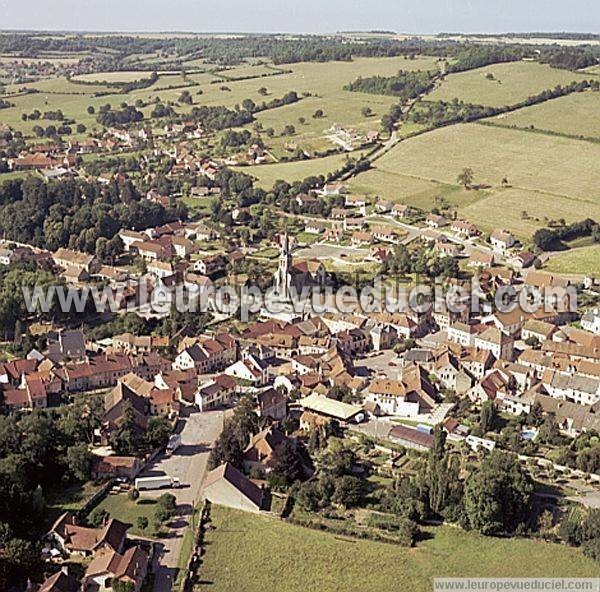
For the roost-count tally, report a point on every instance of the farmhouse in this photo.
(436, 221)
(464, 228)
(68, 536)
(401, 211)
(497, 342)
(539, 330)
(502, 240)
(66, 259)
(590, 321)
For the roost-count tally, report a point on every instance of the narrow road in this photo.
(188, 463)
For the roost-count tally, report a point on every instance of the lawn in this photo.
(577, 114)
(512, 83)
(122, 508)
(250, 553)
(583, 260)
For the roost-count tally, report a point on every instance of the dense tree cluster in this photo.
(420, 261)
(39, 453)
(572, 58)
(219, 117)
(235, 436)
(583, 531)
(129, 440)
(449, 112)
(124, 116)
(13, 280)
(547, 239)
(477, 56)
(497, 495)
(406, 84)
(74, 214)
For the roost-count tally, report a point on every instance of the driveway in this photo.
(188, 463)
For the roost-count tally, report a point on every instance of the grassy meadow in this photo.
(512, 82)
(577, 114)
(267, 174)
(578, 261)
(549, 177)
(403, 188)
(252, 553)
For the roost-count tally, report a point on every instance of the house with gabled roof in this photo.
(68, 536)
(227, 486)
(61, 581)
(109, 567)
(259, 452)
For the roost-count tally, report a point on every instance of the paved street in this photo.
(188, 463)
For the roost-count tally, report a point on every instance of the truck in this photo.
(174, 443)
(160, 482)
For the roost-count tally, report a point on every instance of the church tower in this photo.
(283, 276)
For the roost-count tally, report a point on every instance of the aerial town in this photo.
(158, 432)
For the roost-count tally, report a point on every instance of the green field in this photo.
(323, 81)
(523, 212)
(550, 177)
(267, 174)
(421, 193)
(250, 553)
(593, 70)
(577, 114)
(119, 76)
(579, 261)
(513, 82)
(58, 85)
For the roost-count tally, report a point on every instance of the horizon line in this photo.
(373, 31)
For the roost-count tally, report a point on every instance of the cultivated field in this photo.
(240, 555)
(577, 114)
(512, 82)
(523, 212)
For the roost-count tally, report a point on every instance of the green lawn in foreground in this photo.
(578, 261)
(249, 553)
(126, 510)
